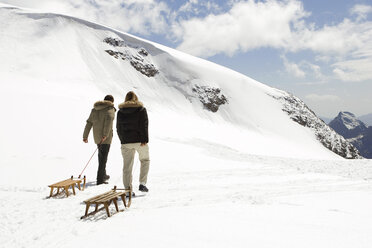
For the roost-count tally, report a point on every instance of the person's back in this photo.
(132, 123)
(132, 129)
(101, 119)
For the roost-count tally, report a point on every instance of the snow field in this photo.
(214, 202)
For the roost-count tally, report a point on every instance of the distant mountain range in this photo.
(367, 119)
(355, 131)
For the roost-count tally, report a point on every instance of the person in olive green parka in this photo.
(101, 119)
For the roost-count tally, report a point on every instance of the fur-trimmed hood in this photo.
(130, 104)
(103, 104)
(131, 101)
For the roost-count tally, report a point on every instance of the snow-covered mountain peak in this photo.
(355, 131)
(346, 124)
(350, 120)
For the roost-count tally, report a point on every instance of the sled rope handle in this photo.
(89, 160)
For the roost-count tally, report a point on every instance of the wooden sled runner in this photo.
(66, 184)
(106, 199)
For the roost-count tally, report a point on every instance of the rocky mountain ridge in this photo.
(303, 115)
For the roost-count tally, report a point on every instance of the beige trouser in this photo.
(128, 151)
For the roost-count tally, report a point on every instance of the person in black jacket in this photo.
(132, 128)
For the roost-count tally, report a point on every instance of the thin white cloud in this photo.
(361, 11)
(211, 6)
(354, 70)
(303, 69)
(322, 98)
(293, 69)
(188, 6)
(313, 70)
(338, 40)
(137, 16)
(323, 58)
(192, 8)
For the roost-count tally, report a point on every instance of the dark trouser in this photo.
(103, 151)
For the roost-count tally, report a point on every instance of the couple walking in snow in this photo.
(132, 129)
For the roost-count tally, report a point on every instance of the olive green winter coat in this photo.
(101, 119)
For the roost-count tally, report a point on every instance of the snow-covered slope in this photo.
(220, 142)
(54, 67)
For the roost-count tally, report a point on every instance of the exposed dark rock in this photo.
(115, 42)
(146, 69)
(300, 113)
(143, 51)
(210, 97)
(137, 61)
(118, 55)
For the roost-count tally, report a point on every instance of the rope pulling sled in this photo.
(71, 182)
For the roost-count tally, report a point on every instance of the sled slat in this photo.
(106, 199)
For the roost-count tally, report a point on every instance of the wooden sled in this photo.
(106, 199)
(66, 184)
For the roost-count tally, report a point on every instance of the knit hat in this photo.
(109, 98)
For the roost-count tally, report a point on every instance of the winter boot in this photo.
(143, 188)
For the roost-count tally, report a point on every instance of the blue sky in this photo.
(320, 51)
